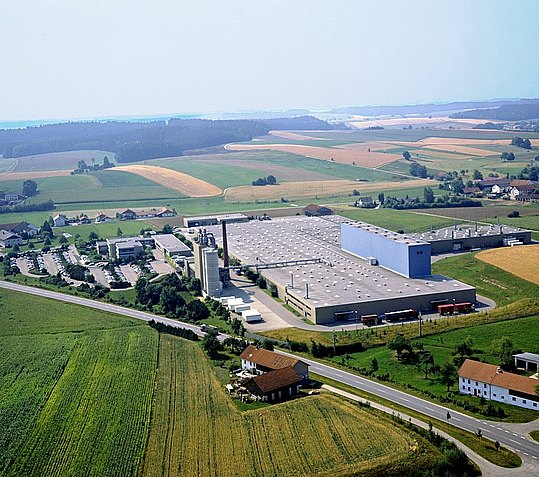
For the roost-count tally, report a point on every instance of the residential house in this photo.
(24, 229)
(469, 191)
(277, 385)
(99, 218)
(59, 220)
(493, 383)
(365, 202)
(164, 212)
(259, 361)
(314, 210)
(127, 214)
(9, 239)
(13, 197)
(496, 185)
(520, 188)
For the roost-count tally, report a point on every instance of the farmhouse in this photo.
(9, 239)
(258, 361)
(99, 218)
(275, 385)
(314, 210)
(21, 228)
(469, 191)
(365, 202)
(127, 214)
(59, 220)
(520, 189)
(496, 185)
(493, 383)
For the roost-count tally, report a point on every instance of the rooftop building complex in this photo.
(468, 236)
(303, 257)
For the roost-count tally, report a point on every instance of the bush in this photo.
(513, 214)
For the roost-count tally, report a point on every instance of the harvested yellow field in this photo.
(296, 136)
(8, 176)
(183, 183)
(303, 189)
(463, 141)
(342, 155)
(516, 260)
(362, 122)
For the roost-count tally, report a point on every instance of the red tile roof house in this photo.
(274, 385)
(492, 383)
(258, 361)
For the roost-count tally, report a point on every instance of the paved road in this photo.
(510, 436)
(496, 431)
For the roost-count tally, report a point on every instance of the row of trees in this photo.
(82, 167)
(262, 181)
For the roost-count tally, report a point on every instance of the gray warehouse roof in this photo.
(464, 231)
(171, 243)
(341, 278)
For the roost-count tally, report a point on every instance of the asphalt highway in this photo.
(496, 431)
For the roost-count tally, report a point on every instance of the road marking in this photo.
(515, 434)
(534, 457)
(499, 428)
(404, 399)
(490, 425)
(455, 419)
(507, 432)
(525, 453)
(513, 441)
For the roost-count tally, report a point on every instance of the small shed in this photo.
(314, 210)
(527, 361)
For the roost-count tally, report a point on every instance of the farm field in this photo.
(196, 430)
(178, 181)
(50, 397)
(100, 186)
(515, 260)
(58, 160)
(306, 189)
(395, 219)
(493, 213)
(340, 154)
(87, 387)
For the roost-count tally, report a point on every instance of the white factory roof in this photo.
(339, 279)
(464, 231)
(171, 243)
(373, 229)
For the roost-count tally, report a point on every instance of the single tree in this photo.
(271, 180)
(406, 155)
(29, 188)
(399, 344)
(62, 239)
(477, 175)
(212, 345)
(381, 197)
(93, 236)
(119, 232)
(374, 364)
(428, 194)
(448, 375)
(426, 360)
(167, 229)
(503, 349)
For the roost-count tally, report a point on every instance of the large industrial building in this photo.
(332, 268)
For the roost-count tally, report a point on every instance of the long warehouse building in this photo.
(365, 275)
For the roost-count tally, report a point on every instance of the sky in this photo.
(71, 59)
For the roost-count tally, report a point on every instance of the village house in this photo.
(9, 239)
(495, 185)
(259, 361)
(365, 202)
(127, 214)
(24, 229)
(469, 191)
(494, 384)
(314, 210)
(12, 197)
(99, 218)
(59, 221)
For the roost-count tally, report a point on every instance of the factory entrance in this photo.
(349, 315)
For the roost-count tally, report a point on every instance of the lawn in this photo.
(196, 429)
(441, 346)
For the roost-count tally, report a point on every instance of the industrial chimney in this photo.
(225, 245)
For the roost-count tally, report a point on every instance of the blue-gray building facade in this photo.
(397, 252)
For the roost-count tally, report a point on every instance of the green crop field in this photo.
(395, 219)
(98, 187)
(196, 429)
(84, 392)
(61, 392)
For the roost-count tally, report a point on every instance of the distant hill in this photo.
(304, 123)
(425, 108)
(521, 111)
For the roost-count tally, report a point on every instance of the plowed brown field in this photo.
(302, 189)
(356, 157)
(515, 260)
(175, 180)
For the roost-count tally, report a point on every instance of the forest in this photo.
(138, 141)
